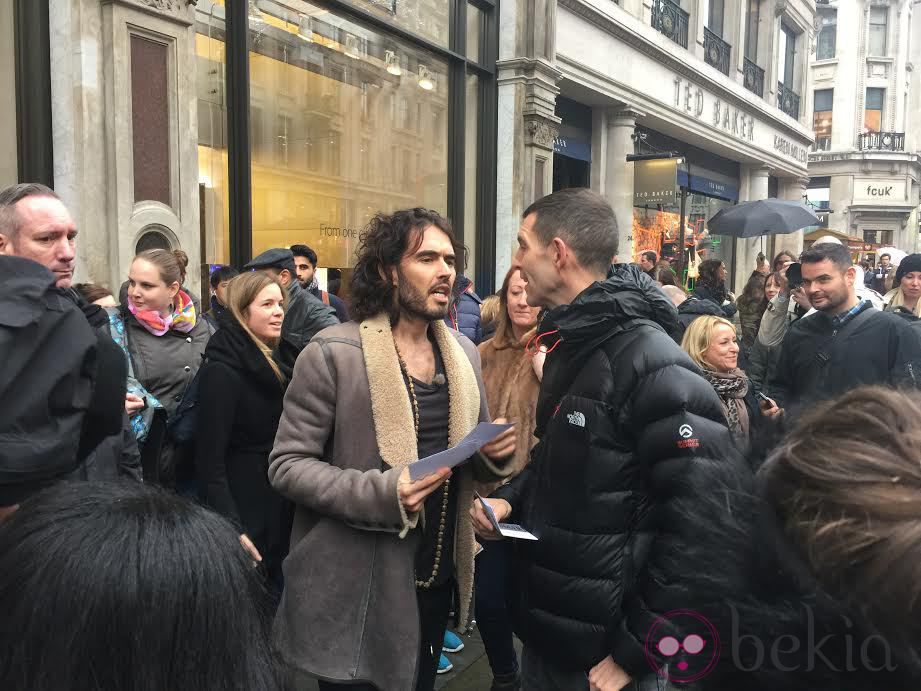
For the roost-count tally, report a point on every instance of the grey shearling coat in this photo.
(348, 612)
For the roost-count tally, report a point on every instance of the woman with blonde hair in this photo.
(905, 297)
(240, 403)
(711, 343)
(511, 375)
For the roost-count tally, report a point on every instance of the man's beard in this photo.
(413, 302)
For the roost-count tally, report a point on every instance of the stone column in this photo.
(527, 127)
(618, 176)
(125, 151)
(747, 249)
(794, 190)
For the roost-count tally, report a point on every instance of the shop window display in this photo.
(659, 230)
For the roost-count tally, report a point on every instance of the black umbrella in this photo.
(762, 217)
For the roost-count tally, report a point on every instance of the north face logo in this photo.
(577, 419)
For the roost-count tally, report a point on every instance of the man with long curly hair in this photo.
(376, 558)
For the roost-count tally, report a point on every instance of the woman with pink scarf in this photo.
(164, 339)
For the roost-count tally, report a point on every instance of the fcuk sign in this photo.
(879, 191)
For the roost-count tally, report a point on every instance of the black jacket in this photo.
(62, 385)
(305, 317)
(628, 432)
(818, 362)
(692, 308)
(240, 403)
(117, 456)
(337, 303)
(704, 292)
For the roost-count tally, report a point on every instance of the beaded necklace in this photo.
(426, 584)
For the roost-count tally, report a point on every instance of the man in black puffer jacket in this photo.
(630, 435)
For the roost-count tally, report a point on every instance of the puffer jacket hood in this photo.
(233, 347)
(606, 307)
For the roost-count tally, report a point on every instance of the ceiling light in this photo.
(305, 28)
(393, 63)
(425, 78)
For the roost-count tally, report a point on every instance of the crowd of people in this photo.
(217, 492)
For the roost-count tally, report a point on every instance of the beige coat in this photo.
(348, 612)
(512, 388)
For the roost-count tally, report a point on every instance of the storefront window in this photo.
(212, 132)
(345, 122)
(474, 31)
(659, 231)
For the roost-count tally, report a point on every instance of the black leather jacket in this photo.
(305, 318)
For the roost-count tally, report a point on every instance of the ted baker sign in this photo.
(690, 99)
(879, 190)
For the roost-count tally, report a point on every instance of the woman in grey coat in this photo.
(165, 338)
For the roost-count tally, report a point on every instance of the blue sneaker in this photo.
(452, 642)
(444, 665)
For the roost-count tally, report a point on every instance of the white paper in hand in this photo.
(479, 437)
(512, 530)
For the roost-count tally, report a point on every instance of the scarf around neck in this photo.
(732, 387)
(181, 318)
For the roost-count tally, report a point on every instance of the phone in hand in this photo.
(764, 398)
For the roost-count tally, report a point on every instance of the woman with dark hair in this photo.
(712, 286)
(664, 276)
(164, 338)
(124, 587)
(240, 400)
(511, 375)
(752, 303)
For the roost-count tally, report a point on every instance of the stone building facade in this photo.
(866, 163)
(724, 84)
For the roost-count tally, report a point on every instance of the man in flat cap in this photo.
(305, 316)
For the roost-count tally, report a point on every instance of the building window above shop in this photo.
(822, 119)
(752, 21)
(878, 237)
(879, 30)
(828, 33)
(715, 15)
(873, 110)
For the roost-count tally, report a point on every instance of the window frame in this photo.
(482, 228)
(832, 28)
(885, 10)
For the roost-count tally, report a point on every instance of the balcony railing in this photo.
(753, 77)
(882, 141)
(669, 19)
(788, 100)
(716, 51)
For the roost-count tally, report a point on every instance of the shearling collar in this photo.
(390, 404)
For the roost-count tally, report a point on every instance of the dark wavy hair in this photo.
(384, 242)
